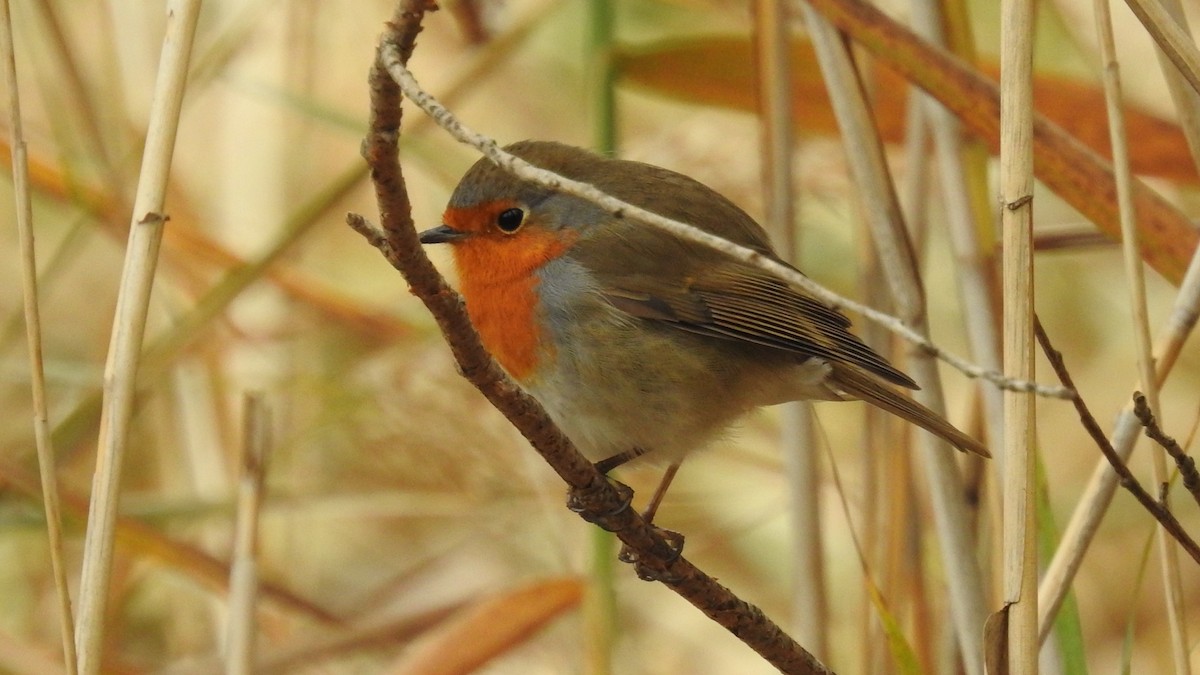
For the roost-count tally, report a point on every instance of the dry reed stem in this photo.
(243, 567)
(33, 337)
(1175, 43)
(898, 261)
(1094, 503)
(1016, 220)
(591, 494)
(1169, 562)
(120, 377)
(526, 171)
(1186, 99)
(907, 565)
(809, 594)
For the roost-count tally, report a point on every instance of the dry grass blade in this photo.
(33, 336)
(129, 327)
(489, 628)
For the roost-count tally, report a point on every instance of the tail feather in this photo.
(859, 384)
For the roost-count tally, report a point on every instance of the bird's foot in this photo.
(658, 570)
(595, 506)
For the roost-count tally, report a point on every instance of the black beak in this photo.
(442, 234)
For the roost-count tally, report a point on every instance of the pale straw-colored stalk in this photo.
(1171, 38)
(129, 325)
(243, 568)
(868, 168)
(772, 38)
(1018, 484)
(1186, 98)
(900, 567)
(1168, 554)
(33, 337)
(198, 413)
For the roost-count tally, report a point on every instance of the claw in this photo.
(587, 503)
(645, 572)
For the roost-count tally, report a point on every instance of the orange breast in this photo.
(497, 279)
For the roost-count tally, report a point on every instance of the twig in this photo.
(1187, 465)
(33, 338)
(1126, 477)
(129, 326)
(526, 171)
(398, 242)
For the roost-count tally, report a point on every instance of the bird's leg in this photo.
(674, 539)
(619, 459)
(656, 500)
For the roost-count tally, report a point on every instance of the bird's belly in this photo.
(617, 383)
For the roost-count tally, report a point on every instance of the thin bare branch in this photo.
(1187, 465)
(1127, 479)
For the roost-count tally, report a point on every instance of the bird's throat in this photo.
(500, 285)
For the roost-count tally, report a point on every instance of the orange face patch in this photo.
(496, 272)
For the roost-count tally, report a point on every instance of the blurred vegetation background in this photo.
(397, 500)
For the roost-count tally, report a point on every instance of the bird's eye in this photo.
(510, 221)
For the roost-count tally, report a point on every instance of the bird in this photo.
(638, 342)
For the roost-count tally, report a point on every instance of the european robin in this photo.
(637, 341)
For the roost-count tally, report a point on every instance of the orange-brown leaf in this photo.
(728, 76)
(1073, 170)
(490, 628)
